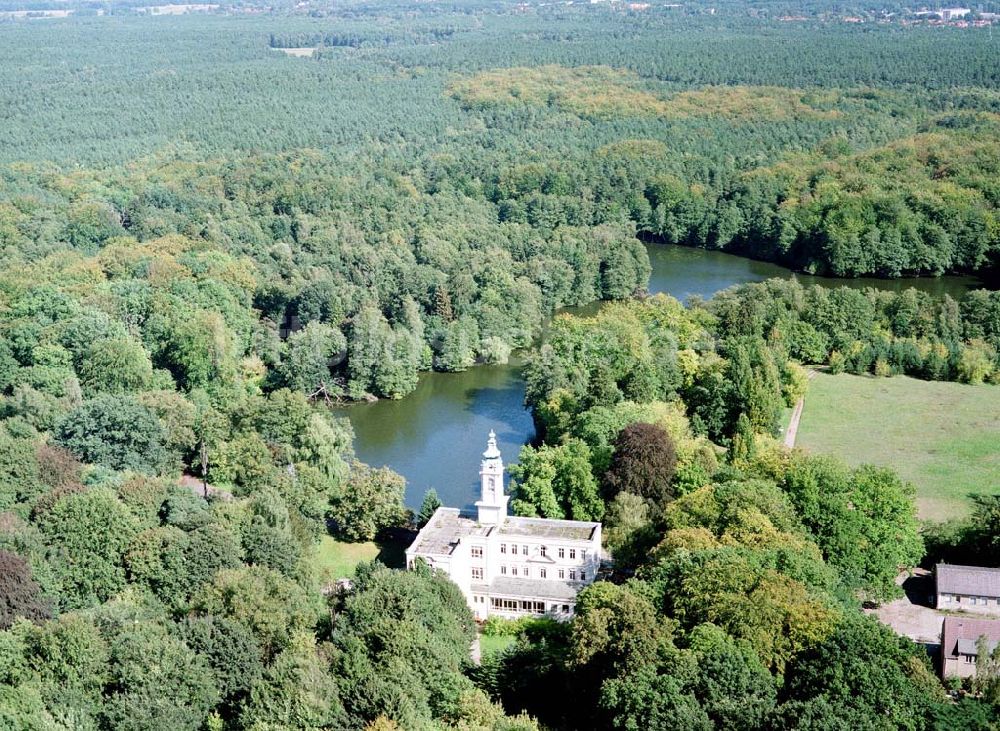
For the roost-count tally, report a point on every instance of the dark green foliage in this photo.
(870, 672)
(403, 639)
(116, 432)
(91, 531)
(732, 685)
(20, 476)
(231, 651)
(968, 713)
(428, 506)
(157, 682)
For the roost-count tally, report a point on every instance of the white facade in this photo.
(507, 565)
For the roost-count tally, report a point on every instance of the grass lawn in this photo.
(942, 437)
(335, 559)
(489, 644)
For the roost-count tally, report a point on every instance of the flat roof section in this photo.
(443, 532)
(536, 589)
(567, 530)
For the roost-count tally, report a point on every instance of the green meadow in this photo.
(942, 437)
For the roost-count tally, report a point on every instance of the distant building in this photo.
(960, 644)
(954, 13)
(505, 565)
(967, 588)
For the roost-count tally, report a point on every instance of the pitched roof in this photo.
(959, 635)
(967, 580)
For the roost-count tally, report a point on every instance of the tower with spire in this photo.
(492, 505)
(509, 565)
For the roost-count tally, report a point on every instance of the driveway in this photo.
(912, 615)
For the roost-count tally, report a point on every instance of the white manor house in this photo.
(508, 565)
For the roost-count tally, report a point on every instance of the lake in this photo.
(435, 436)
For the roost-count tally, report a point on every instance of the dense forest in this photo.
(207, 243)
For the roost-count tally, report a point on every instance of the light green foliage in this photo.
(977, 362)
(556, 482)
(863, 520)
(310, 354)
(116, 366)
(272, 607)
(370, 500)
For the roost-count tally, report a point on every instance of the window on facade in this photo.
(524, 550)
(566, 608)
(572, 575)
(958, 599)
(543, 549)
(972, 599)
(525, 571)
(562, 553)
(583, 576)
(477, 551)
(572, 553)
(503, 548)
(513, 570)
(503, 570)
(541, 573)
(477, 573)
(583, 555)
(562, 574)
(513, 549)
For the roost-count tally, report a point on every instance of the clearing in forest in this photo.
(942, 437)
(605, 92)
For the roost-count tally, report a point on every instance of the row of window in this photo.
(477, 573)
(972, 599)
(542, 550)
(515, 605)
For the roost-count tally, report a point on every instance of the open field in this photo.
(942, 437)
(297, 52)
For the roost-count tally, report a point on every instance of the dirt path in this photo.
(793, 423)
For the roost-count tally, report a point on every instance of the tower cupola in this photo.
(492, 504)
